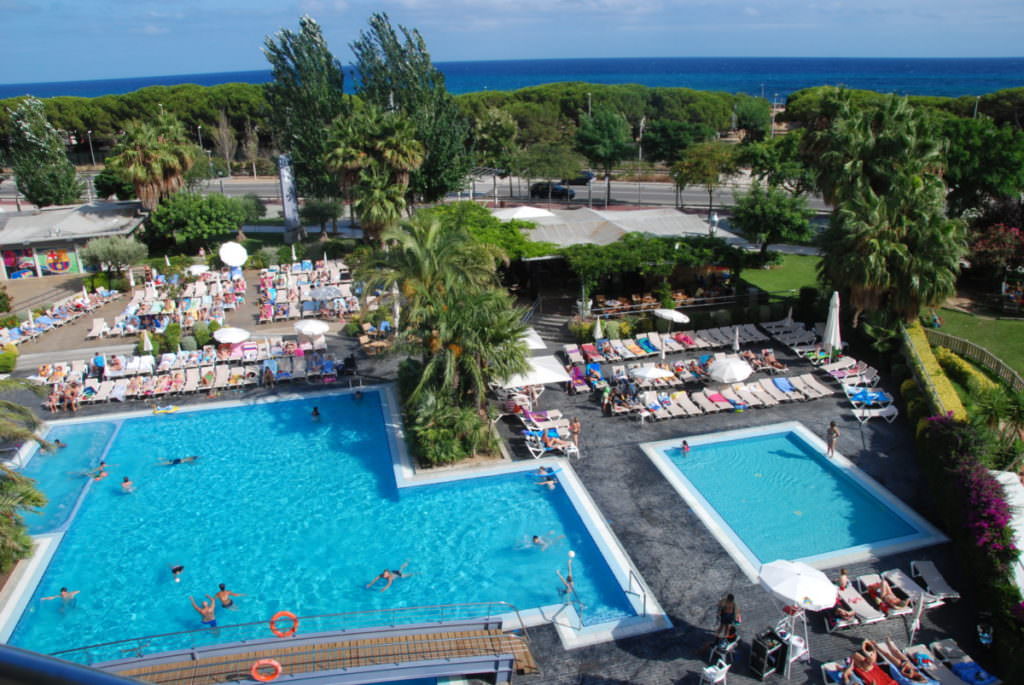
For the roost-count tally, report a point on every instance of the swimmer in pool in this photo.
(206, 611)
(67, 597)
(100, 472)
(389, 576)
(686, 447)
(127, 486)
(540, 542)
(178, 460)
(225, 595)
(176, 572)
(547, 477)
(316, 412)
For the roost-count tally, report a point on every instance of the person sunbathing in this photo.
(883, 592)
(771, 360)
(752, 359)
(901, 661)
(552, 440)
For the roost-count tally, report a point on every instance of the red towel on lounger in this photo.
(876, 676)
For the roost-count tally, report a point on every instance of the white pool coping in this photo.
(649, 615)
(926, 535)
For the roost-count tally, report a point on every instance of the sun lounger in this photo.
(868, 376)
(99, 328)
(870, 585)
(732, 398)
(621, 350)
(572, 353)
(654, 406)
(803, 388)
(103, 391)
(746, 396)
(673, 409)
(867, 397)
(865, 414)
(221, 377)
(927, 576)
(769, 387)
(578, 380)
(647, 345)
(865, 612)
(960, 663)
(898, 579)
(119, 393)
(604, 346)
(834, 622)
(682, 399)
(839, 364)
(669, 343)
(590, 352)
(930, 666)
(719, 400)
(535, 445)
(704, 403)
(811, 382)
(784, 386)
(765, 397)
(832, 672)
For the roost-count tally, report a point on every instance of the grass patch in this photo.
(795, 272)
(1001, 337)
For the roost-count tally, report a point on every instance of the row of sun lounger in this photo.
(652, 343)
(864, 597)
(944, 663)
(56, 317)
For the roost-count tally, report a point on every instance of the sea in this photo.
(773, 78)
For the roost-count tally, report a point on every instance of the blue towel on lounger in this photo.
(784, 385)
(646, 345)
(970, 672)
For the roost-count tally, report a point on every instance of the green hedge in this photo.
(941, 394)
(964, 373)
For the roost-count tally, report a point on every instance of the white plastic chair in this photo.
(715, 674)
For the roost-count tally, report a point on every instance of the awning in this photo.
(533, 340)
(543, 370)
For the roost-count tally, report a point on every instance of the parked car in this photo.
(557, 191)
(582, 179)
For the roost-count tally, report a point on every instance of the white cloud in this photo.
(154, 30)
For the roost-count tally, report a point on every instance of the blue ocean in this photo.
(768, 76)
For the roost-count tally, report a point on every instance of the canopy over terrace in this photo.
(578, 226)
(543, 370)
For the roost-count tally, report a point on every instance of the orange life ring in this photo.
(265, 677)
(284, 615)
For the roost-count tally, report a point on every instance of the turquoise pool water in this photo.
(782, 499)
(297, 514)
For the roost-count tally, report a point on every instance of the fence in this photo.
(942, 397)
(977, 354)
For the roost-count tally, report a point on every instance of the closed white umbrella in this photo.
(598, 333)
(832, 342)
(311, 327)
(294, 258)
(396, 302)
(794, 582)
(233, 254)
(131, 279)
(736, 339)
(729, 370)
(231, 335)
(85, 293)
(651, 373)
(167, 260)
(147, 344)
(30, 319)
(671, 315)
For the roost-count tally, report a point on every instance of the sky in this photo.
(71, 40)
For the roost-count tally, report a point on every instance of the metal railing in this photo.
(978, 354)
(642, 594)
(321, 623)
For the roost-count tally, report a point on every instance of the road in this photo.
(622, 193)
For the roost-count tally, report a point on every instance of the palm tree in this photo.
(17, 492)
(379, 202)
(18, 423)
(154, 157)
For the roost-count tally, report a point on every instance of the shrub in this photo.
(909, 389)
(963, 372)
(188, 343)
(582, 329)
(921, 358)
(154, 340)
(201, 333)
(336, 248)
(171, 337)
(8, 360)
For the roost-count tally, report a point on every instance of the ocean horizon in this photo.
(769, 77)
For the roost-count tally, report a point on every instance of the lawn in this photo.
(795, 272)
(1001, 337)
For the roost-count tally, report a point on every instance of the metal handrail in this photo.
(531, 310)
(642, 594)
(422, 613)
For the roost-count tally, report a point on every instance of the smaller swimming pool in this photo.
(770, 493)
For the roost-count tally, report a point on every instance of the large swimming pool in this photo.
(294, 512)
(770, 493)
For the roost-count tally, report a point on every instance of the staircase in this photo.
(553, 328)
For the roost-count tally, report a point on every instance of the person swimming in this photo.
(225, 595)
(127, 486)
(178, 460)
(206, 611)
(316, 412)
(176, 572)
(67, 597)
(389, 576)
(547, 477)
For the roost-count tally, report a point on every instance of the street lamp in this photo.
(92, 155)
(199, 134)
(713, 226)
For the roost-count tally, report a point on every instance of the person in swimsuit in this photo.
(127, 486)
(176, 572)
(178, 460)
(316, 412)
(686, 447)
(547, 477)
(831, 437)
(389, 576)
(206, 611)
(59, 443)
(225, 595)
(575, 428)
(728, 614)
(66, 596)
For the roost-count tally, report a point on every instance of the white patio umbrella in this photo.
(736, 339)
(167, 260)
(294, 258)
(197, 269)
(533, 340)
(598, 333)
(396, 303)
(794, 582)
(85, 293)
(671, 315)
(131, 279)
(147, 344)
(30, 319)
(729, 370)
(311, 327)
(789, 315)
(831, 340)
(543, 370)
(231, 335)
(233, 254)
(651, 373)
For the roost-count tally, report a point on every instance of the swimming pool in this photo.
(770, 493)
(298, 514)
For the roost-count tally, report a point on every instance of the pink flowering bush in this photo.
(998, 247)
